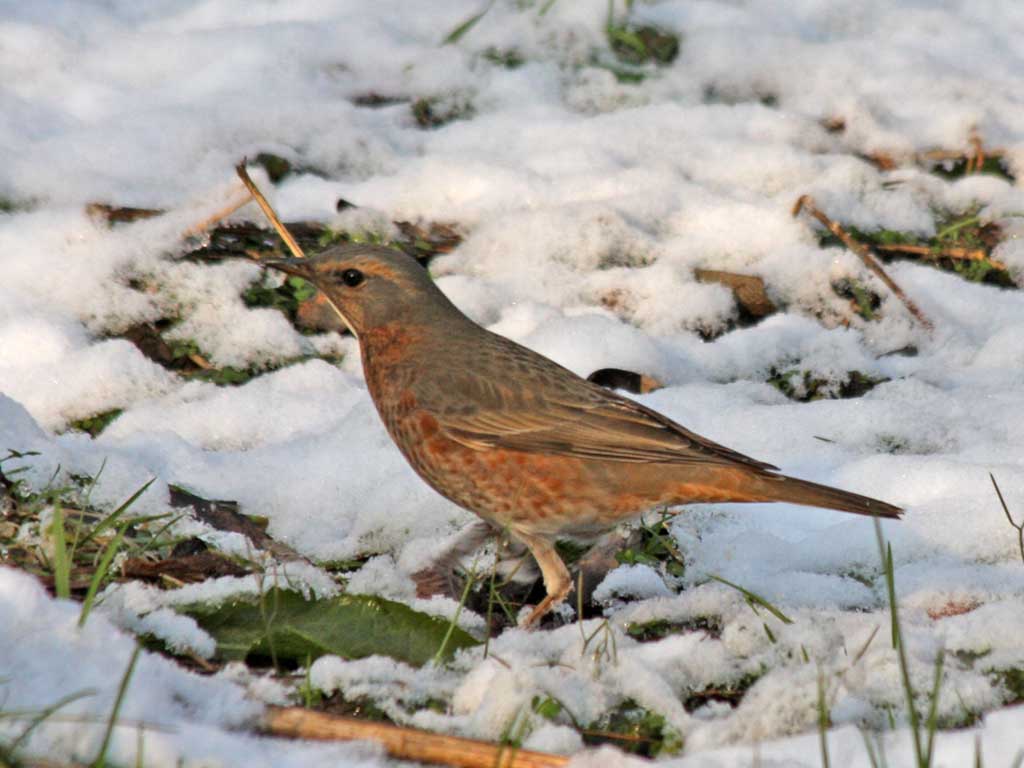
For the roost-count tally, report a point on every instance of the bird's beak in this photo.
(297, 267)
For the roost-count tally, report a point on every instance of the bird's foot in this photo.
(556, 575)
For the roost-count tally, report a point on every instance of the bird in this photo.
(532, 449)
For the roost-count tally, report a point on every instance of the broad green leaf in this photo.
(288, 627)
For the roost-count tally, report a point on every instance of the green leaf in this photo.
(350, 626)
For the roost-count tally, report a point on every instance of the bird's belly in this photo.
(547, 493)
(533, 492)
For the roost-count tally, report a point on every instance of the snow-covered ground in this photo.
(586, 205)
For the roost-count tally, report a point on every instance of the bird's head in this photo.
(369, 286)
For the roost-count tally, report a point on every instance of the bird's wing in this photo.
(551, 410)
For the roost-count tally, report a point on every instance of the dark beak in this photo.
(297, 267)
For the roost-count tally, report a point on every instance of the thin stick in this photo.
(976, 161)
(860, 654)
(806, 202)
(404, 743)
(293, 246)
(200, 227)
(1006, 511)
(962, 254)
(200, 361)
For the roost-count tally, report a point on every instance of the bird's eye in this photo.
(352, 277)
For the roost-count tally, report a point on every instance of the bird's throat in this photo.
(340, 314)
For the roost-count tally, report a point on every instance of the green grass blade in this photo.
(61, 556)
(890, 582)
(44, 715)
(140, 744)
(864, 649)
(470, 580)
(823, 720)
(933, 709)
(99, 574)
(868, 749)
(112, 518)
(160, 532)
(101, 757)
(956, 226)
(456, 34)
(885, 551)
(491, 592)
(753, 597)
(92, 483)
(268, 620)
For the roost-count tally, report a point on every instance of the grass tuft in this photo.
(923, 735)
(638, 44)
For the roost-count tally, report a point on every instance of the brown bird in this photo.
(525, 444)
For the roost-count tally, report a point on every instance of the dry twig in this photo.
(290, 241)
(216, 218)
(404, 743)
(863, 252)
(112, 214)
(958, 254)
(976, 161)
(200, 361)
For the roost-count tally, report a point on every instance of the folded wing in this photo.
(571, 418)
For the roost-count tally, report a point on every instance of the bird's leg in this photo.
(436, 578)
(556, 575)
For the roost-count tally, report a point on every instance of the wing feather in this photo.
(583, 420)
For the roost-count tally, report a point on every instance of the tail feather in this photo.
(796, 491)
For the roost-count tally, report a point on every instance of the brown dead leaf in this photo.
(224, 516)
(882, 160)
(189, 569)
(748, 290)
(119, 214)
(834, 124)
(952, 608)
(426, 240)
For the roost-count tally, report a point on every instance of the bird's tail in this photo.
(796, 491)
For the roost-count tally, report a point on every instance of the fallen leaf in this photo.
(748, 290)
(350, 626)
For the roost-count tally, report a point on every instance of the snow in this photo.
(168, 716)
(586, 205)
